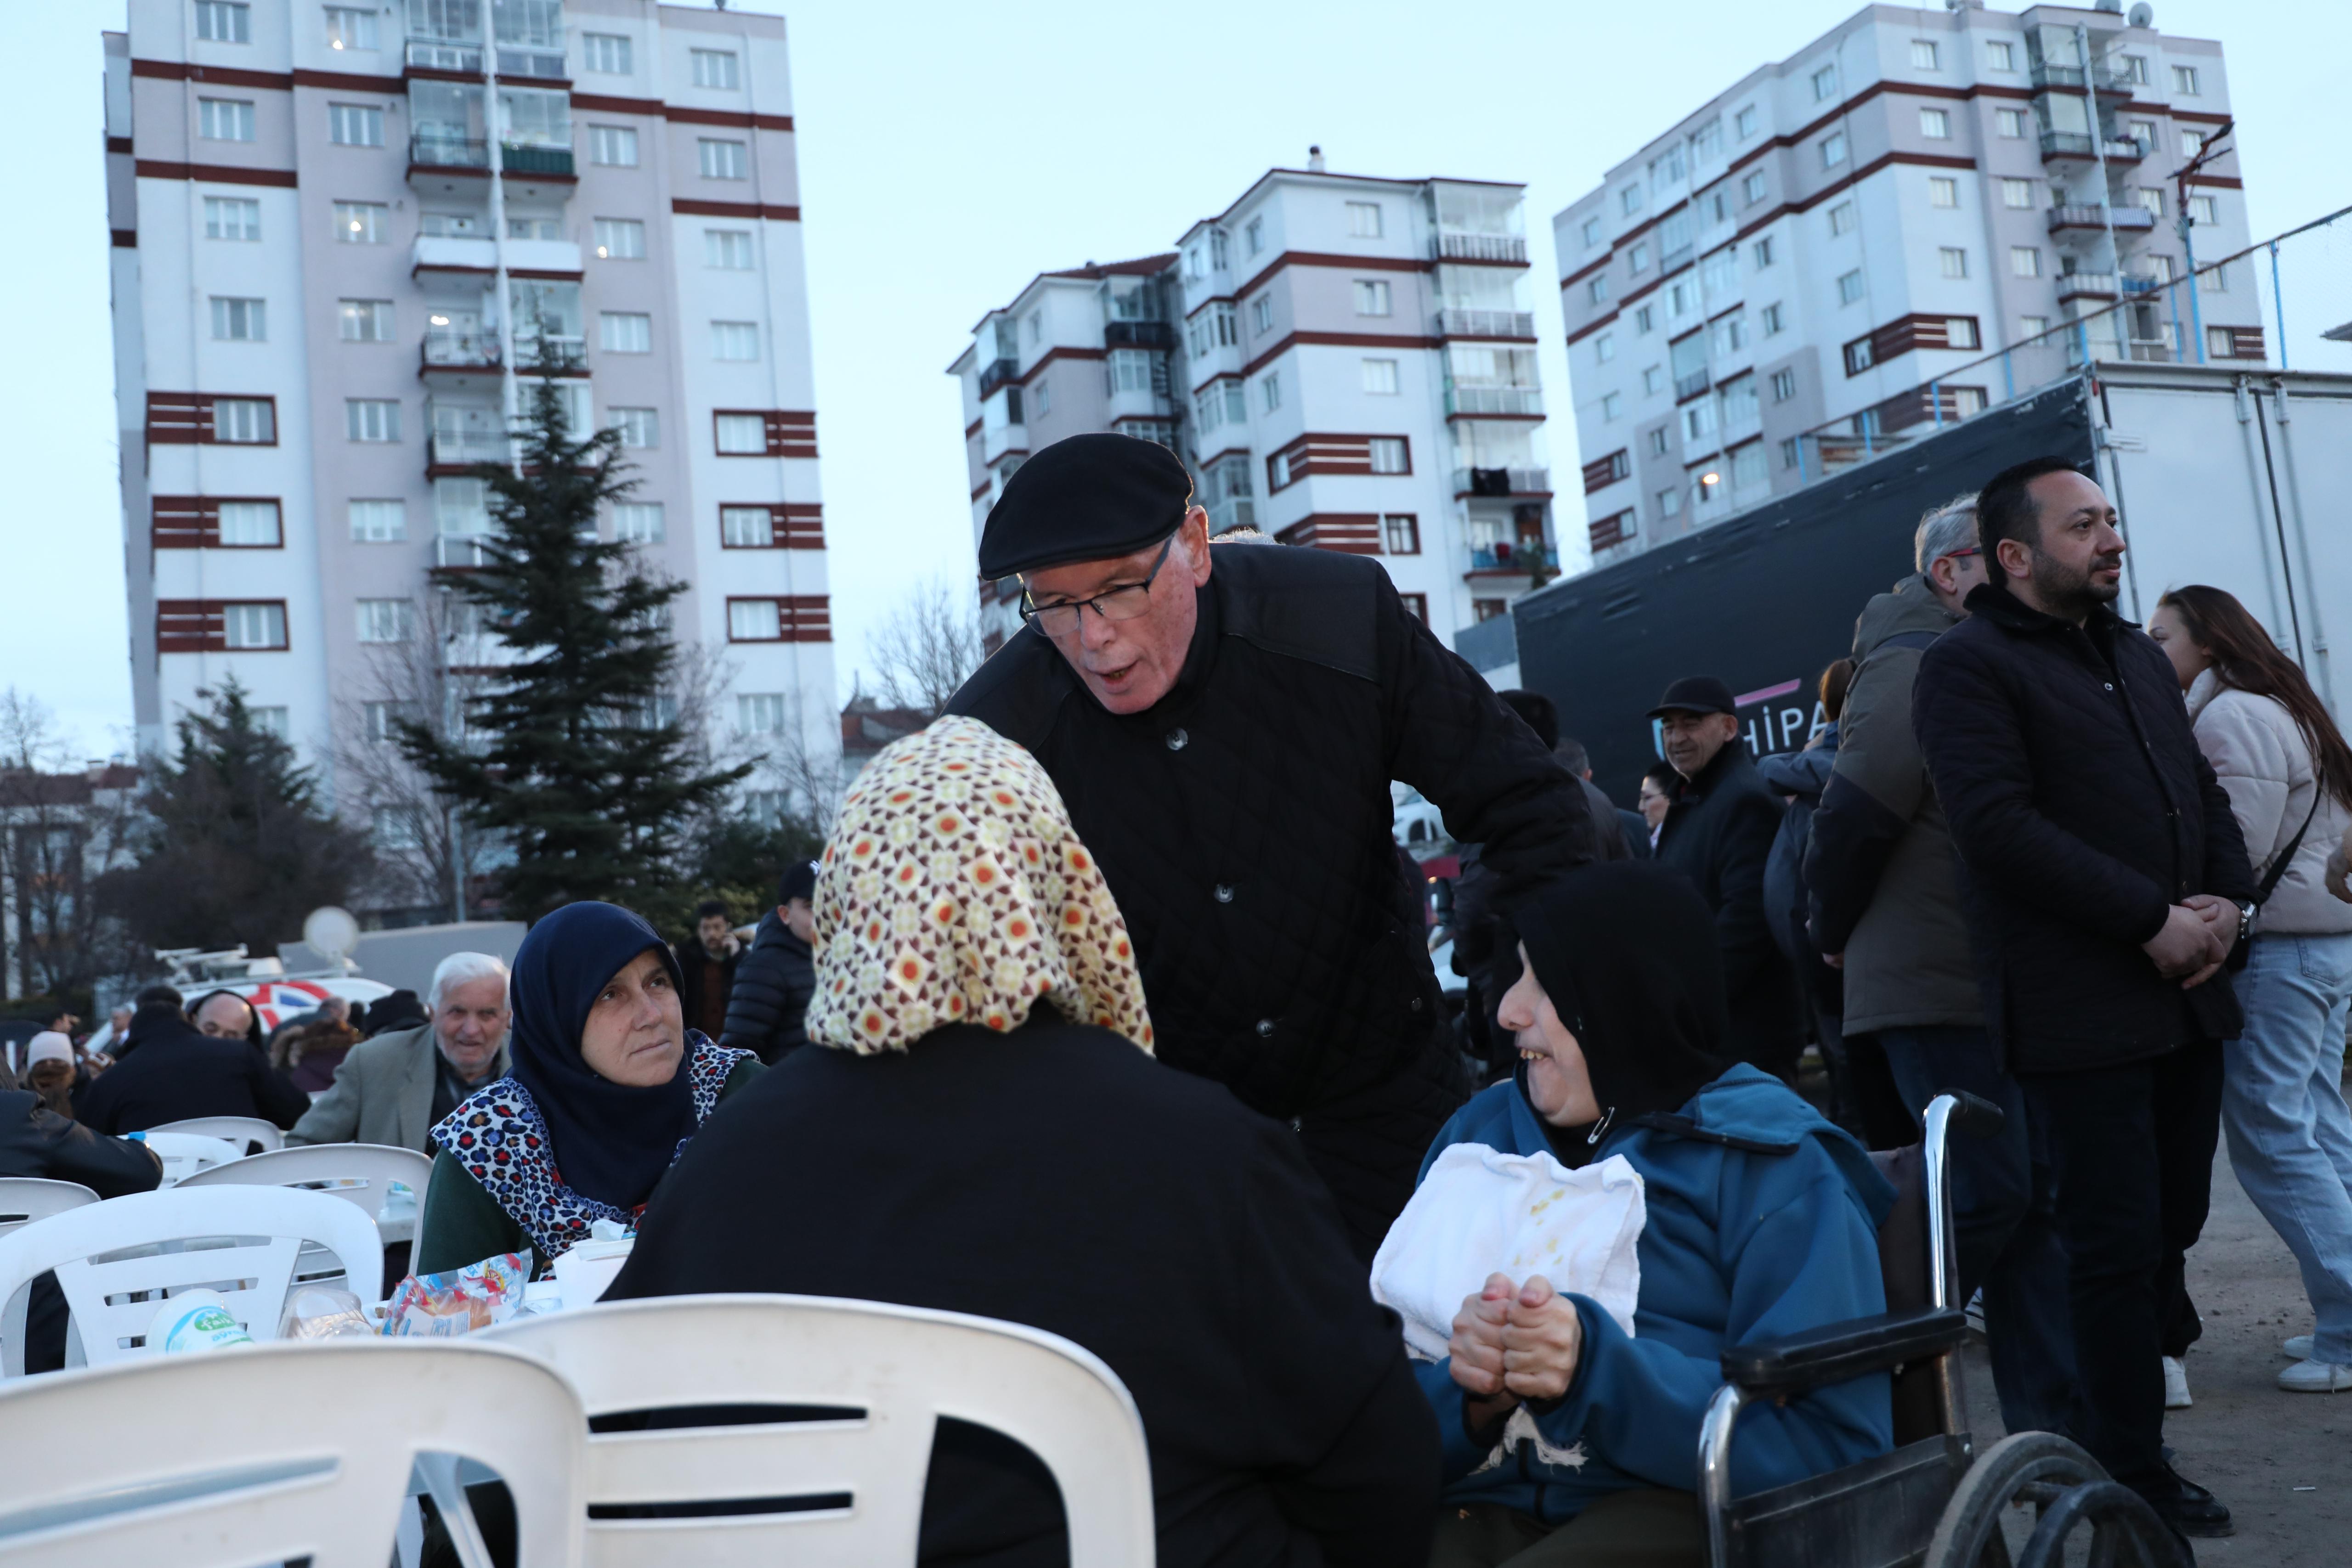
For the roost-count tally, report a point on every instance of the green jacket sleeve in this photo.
(462, 1224)
(740, 1079)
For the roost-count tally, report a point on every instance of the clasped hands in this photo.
(1513, 1343)
(2195, 939)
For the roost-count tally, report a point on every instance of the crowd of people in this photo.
(1125, 1027)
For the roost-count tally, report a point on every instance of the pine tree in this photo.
(566, 755)
(235, 845)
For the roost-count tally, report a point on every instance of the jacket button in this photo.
(1224, 893)
(1416, 1004)
(2110, 686)
(1265, 1028)
(1177, 739)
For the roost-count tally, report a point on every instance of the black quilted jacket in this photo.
(767, 1011)
(1243, 825)
(2082, 811)
(1718, 832)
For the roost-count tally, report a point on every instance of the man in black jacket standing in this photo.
(1720, 823)
(178, 1072)
(2105, 884)
(778, 976)
(1225, 742)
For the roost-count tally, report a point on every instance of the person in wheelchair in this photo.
(1565, 1440)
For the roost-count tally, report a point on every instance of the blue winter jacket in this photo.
(1739, 1246)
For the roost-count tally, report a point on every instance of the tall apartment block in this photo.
(345, 236)
(1343, 362)
(1836, 236)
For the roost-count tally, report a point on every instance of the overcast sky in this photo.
(951, 151)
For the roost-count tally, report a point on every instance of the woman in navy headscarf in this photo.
(608, 1085)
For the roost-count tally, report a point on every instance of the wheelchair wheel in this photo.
(2029, 1467)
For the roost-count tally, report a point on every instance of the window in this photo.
(626, 333)
(1254, 236)
(380, 721)
(1391, 455)
(363, 320)
(1824, 83)
(1604, 347)
(2025, 261)
(1667, 168)
(1041, 396)
(1789, 452)
(385, 620)
(1833, 150)
(1641, 321)
(620, 239)
(1371, 297)
(245, 421)
(2017, 193)
(1597, 291)
(1760, 255)
(379, 522)
(1262, 313)
(2152, 198)
(639, 522)
(2032, 326)
(1380, 377)
(1269, 392)
(738, 341)
(754, 620)
(1751, 189)
(1719, 205)
(224, 22)
(741, 434)
(2012, 123)
(728, 250)
(2192, 142)
(1416, 605)
(232, 217)
(250, 524)
(1730, 334)
(1659, 439)
(1936, 124)
(723, 160)
(1743, 124)
(1842, 219)
(1629, 200)
(2001, 54)
(1364, 220)
(1860, 355)
(1923, 54)
(605, 54)
(360, 223)
(239, 320)
(350, 28)
(2136, 69)
(1943, 191)
(1654, 380)
(224, 119)
(1638, 258)
(1747, 465)
(757, 713)
(1768, 320)
(259, 628)
(1707, 141)
(1719, 273)
(1670, 502)
(1612, 405)
(2204, 209)
(2184, 81)
(1784, 385)
(2215, 278)
(640, 428)
(1036, 325)
(716, 67)
(1401, 533)
(1592, 234)
(370, 419)
(614, 146)
(1127, 370)
(2143, 133)
(1849, 287)
(1961, 332)
(1952, 260)
(354, 125)
(1678, 300)
(747, 528)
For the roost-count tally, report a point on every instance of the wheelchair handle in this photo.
(1974, 1114)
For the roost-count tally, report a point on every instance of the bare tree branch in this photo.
(927, 649)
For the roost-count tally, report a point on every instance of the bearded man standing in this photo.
(1224, 741)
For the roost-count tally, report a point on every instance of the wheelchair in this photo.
(1934, 1501)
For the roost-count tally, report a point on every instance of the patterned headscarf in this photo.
(955, 891)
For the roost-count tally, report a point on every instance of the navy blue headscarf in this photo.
(612, 1143)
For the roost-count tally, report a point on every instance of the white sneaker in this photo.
(2308, 1377)
(2299, 1346)
(2176, 1384)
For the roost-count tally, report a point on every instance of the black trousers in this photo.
(2131, 1150)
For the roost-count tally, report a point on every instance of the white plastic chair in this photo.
(361, 1173)
(283, 1452)
(185, 1154)
(902, 1368)
(240, 1132)
(116, 1262)
(24, 1199)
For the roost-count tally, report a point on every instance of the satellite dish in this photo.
(331, 931)
(2142, 15)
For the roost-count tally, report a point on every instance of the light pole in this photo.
(2187, 222)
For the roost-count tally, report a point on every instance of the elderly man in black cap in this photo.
(1718, 832)
(1224, 741)
(778, 976)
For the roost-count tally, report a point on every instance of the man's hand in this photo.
(1541, 1342)
(1476, 1352)
(2222, 918)
(2185, 945)
(1834, 961)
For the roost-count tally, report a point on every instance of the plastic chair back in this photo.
(24, 1199)
(360, 1174)
(281, 1452)
(185, 1154)
(117, 1260)
(240, 1132)
(890, 1371)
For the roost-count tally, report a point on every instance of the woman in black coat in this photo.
(990, 1133)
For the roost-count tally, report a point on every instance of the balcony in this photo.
(1509, 248)
(1690, 386)
(536, 352)
(1510, 560)
(533, 160)
(2127, 220)
(1501, 482)
(463, 553)
(463, 448)
(2105, 77)
(1001, 440)
(446, 150)
(1139, 335)
(540, 64)
(430, 55)
(1677, 258)
(994, 374)
(1518, 324)
(1494, 402)
(450, 349)
(2086, 286)
(2141, 286)
(2059, 145)
(1233, 512)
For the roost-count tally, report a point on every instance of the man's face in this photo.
(713, 929)
(1130, 664)
(2079, 563)
(1692, 739)
(469, 1023)
(800, 919)
(224, 1018)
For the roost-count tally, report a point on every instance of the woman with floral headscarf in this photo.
(990, 1133)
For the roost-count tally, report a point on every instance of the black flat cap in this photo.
(1091, 498)
(1695, 693)
(799, 880)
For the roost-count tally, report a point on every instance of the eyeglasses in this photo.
(1123, 604)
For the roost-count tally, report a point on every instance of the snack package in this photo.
(194, 1323)
(441, 1306)
(315, 1312)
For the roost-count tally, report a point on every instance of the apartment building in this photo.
(1840, 247)
(1344, 362)
(346, 239)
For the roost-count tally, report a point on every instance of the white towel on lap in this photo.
(1481, 1212)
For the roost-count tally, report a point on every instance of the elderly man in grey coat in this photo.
(392, 1089)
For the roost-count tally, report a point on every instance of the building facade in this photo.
(344, 238)
(1344, 362)
(1919, 213)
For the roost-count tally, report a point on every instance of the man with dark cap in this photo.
(1225, 741)
(1720, 823)
(777, 977)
